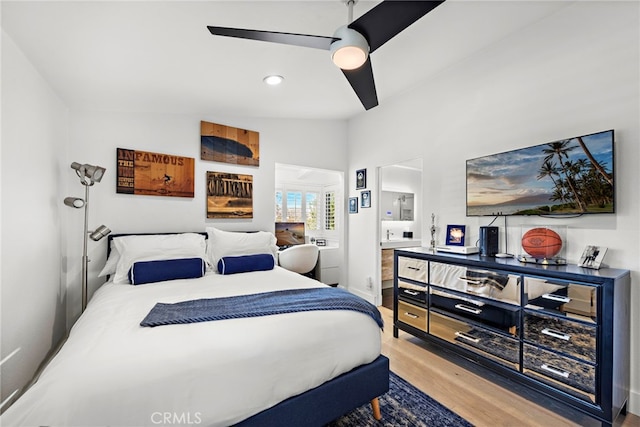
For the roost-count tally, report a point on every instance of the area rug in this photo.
(403, 405)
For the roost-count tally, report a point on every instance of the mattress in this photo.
(111, 371)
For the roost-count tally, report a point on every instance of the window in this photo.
(311, 209)
(306, 206)
(294, 206)
(279, 206)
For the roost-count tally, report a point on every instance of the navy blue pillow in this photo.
(245, 263)
(142, 272)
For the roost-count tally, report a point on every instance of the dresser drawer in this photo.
(571, 299)
(559, 371)
(412, 268)
(562, 335)
(412, 292)
(412, 315)
(485, 283)
(500, 316)
(498, 347)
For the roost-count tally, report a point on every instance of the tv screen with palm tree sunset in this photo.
(566, 177)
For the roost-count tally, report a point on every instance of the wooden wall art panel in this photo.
(220, 143)
(154, 174)
(229, 195)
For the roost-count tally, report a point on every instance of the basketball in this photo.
(541, 243)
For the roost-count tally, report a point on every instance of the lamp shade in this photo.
(351, 50)
(74, 202)
(94, 173)
(99, 233)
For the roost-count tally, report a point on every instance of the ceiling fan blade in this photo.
(383, 22)
(305, 40)
(361, 80)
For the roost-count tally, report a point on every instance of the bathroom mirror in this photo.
(396, 206)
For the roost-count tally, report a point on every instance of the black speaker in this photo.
(489, 241)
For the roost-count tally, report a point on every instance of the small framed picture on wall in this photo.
(365, 199)
(361, 179)
(353, 205)
(455, 235)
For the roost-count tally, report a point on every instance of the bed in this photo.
(294, 368)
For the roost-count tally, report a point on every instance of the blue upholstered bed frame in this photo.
(329, 401)
(325, 403)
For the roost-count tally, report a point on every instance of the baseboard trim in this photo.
(633, 405)
(363, 295)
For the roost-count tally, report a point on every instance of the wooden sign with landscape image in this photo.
(154, 174)
(220, 143)
(229, 195)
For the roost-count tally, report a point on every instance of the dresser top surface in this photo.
(513, 264)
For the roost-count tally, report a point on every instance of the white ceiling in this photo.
(158, 56)
(302, 175)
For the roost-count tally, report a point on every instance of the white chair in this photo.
(299, 258)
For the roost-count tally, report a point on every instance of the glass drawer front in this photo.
(497, 347)
(488, 284)
(562, 335)
(570, 299)
(412, 315)
(411, 268)
(504, 317)
(412, 292)
(562, 372)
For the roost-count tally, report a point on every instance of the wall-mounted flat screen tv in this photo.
(566, 177)
(289, 233)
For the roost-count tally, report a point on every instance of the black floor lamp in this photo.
(88, 175)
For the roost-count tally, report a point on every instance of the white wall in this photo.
(94, 137)
(572, 73)
(33, 179)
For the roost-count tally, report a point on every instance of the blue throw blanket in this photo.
(263, 304)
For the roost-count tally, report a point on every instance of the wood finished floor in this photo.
(479, 396)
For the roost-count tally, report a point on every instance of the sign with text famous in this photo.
(154, 174)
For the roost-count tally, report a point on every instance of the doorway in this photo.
(399, 183)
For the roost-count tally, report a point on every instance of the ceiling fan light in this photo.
(349, 57)
(351, 51)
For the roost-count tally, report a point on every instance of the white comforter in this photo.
(112, 371)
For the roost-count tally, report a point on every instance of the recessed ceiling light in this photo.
(273, 80)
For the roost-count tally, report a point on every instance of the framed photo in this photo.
(365, 199)
(361, 179)
(592, 257)
(353, 205)
(455, 235)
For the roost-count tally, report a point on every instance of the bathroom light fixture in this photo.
(273, 80)
(88, 175)
(351, 51)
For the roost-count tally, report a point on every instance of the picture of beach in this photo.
(572, 176)
(226, 144)
(229, 195)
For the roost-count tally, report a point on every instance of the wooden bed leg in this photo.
(375, 407)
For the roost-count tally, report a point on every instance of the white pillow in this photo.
(227, 243)
(156, 247)
(111, 263)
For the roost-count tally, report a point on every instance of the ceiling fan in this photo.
(351, 44)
